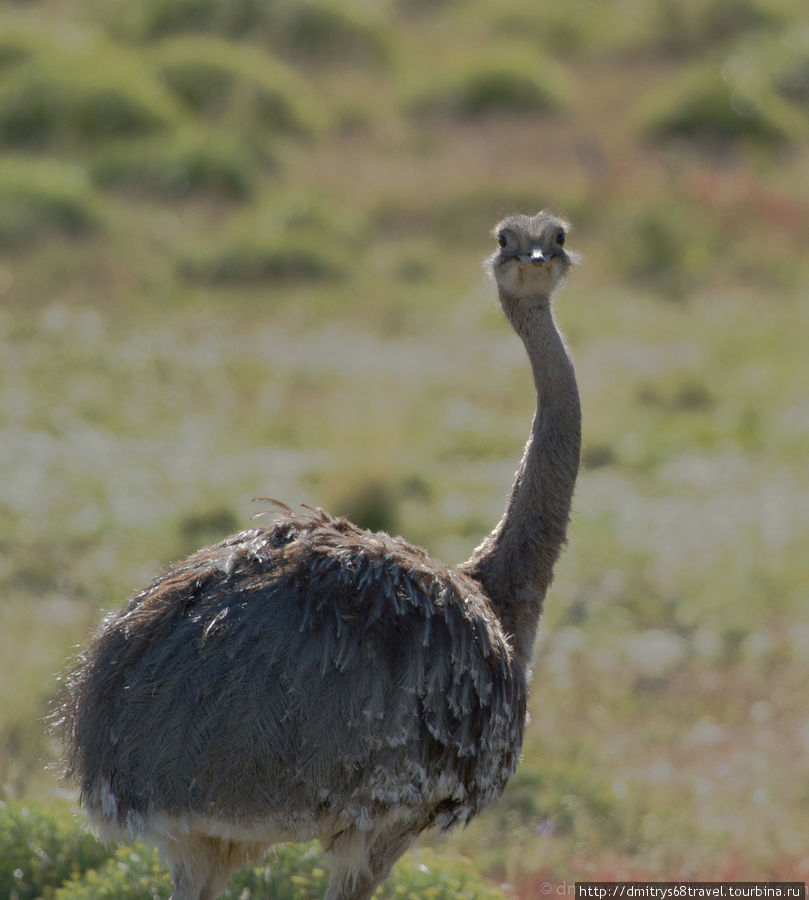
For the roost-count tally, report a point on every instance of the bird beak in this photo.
(535, 257)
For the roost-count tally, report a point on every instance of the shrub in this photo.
(687, 395)
(424, 873)
(205, 527)
(38, 850)
(163, 18)
(587, 26)
(563, 797)
(692, 26)
(297, 872)
(15, 46)
(708, 104)
(792, 76)
(670, 246)
(286, 240)
(514, 82)
(313, 30)
(289, 872)
(598, 455)
(41, 197)
(86, 89)
(45, 854)
(253, 260)
(372, 504)
(779, 61)
(178, 167)
(323, 31)
(133, 872)
(223, 80)
(501, 88)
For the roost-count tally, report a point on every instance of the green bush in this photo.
(286, 240)
(253, 260)
(40, 850)
(177, 167)
(133, 872)
(792, 73)
(324, 31)
(670, 247)
(206, 526)
(516, 81)
(63, 92)
(15, 45)
(51, 855)
(289, 872)
(42, 197)
(371, 504)
(688, 394)
(430, 875)
(706, 103)
(584, 27)
(151, 19)
(692, 26)
(312, 30)
(237, 83)
(780, 61)
(563, 797)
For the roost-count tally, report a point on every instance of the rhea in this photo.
(310, 679)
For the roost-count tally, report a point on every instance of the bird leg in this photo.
(201, 866)
(360, 861)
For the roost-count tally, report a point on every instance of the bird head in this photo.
(531, 258)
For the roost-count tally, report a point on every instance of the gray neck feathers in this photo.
(515, 562)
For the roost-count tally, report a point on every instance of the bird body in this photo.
(310, 679)
(333, 638)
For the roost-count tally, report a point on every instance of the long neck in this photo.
(515, 562)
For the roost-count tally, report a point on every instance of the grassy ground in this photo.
(250, 266)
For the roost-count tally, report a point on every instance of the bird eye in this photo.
(502, 239)
(560, 238)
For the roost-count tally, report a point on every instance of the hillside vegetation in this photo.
(239, 257)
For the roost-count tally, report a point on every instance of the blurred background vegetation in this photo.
(239, 256)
